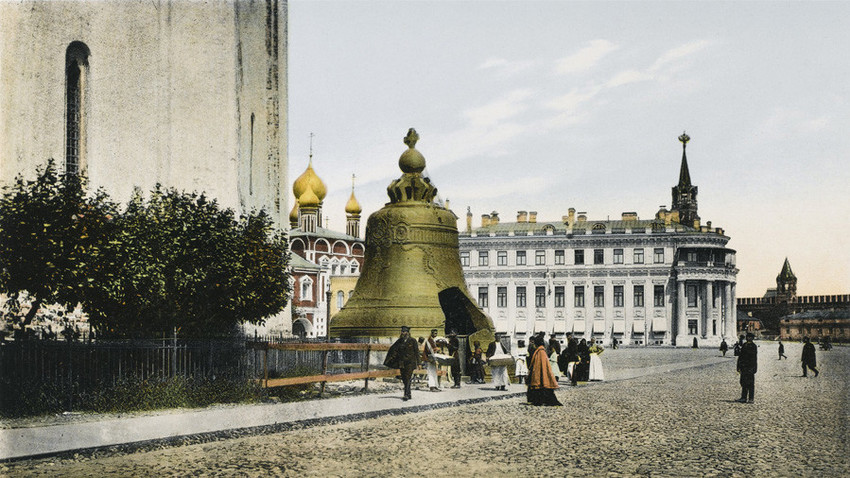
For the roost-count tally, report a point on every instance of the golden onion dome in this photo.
(309, 198)
(352, 206)
(309, 180)
(293, 214)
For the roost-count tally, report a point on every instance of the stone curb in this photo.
(194, 439)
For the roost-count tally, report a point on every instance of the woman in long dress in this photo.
(553, 362)
(596, 371)
(541, 381)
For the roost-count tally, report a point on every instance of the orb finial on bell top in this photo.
(411, 161)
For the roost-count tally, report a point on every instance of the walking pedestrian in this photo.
(541, 382)
(723, 347)
(404, 355)
(782, 351)
(747, 367)
(808, 357)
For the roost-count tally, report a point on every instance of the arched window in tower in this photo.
(76, 70)
(340, 299)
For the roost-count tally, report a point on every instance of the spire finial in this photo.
(352, 181)
(684, 139)
(311, 146)
(411, 161)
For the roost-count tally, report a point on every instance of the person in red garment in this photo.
(541, 380)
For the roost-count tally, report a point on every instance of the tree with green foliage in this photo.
(51, 234)
(179, 261)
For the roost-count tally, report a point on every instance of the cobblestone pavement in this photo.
(676, 423)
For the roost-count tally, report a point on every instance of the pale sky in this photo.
(543, 106)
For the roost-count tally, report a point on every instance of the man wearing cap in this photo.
(404, 355)
(454, 347)
(747, 367)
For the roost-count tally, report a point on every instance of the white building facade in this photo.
(641, 282)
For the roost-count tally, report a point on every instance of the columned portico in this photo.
(730, 333)
(681, 322)
(708, 329)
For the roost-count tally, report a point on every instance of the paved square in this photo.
(681, 422)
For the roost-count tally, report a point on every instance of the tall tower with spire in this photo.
(685, 193)
(786, 283)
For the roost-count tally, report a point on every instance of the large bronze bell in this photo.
(411, 273)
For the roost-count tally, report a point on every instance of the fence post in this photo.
(324, 371)
(70, 375)
(365, 368)
(266, 365)
(174, 353)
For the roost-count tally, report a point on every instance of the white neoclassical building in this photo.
(663, 281)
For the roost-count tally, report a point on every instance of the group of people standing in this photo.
(747, 365)
(540, 369)
(580, 361)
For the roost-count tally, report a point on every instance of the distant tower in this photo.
(786, 283)
(352, 214)
(685, 194)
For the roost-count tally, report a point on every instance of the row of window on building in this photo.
(541, 292)
(520, 257)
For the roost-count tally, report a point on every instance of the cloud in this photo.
(505, 67)
(671, 59)
(586, 58)
(499, 110)
(785, 121)
(576, 97)
(626, 77)
(477, 191)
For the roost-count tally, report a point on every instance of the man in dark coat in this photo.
(747, 367)
(808, 358)
(404, 355)
(554, 345)
(570, 355)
